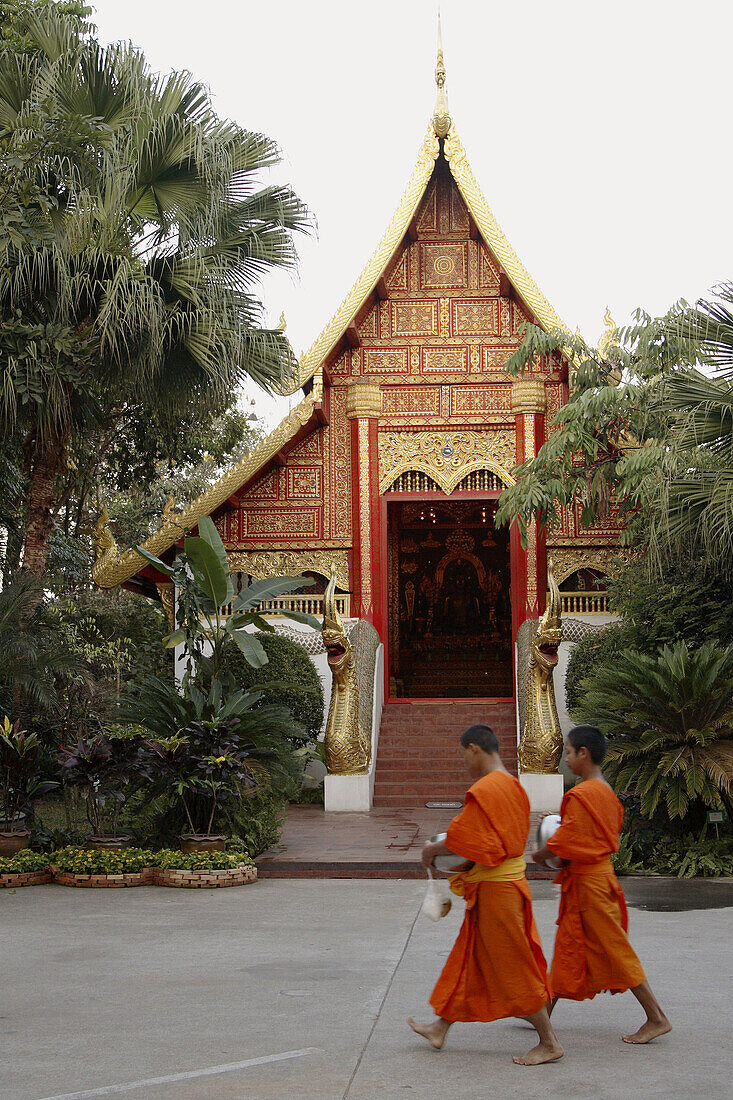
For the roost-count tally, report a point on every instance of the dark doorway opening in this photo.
(449, 600)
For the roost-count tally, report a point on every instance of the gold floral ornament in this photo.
(540, 743)
(348, 745)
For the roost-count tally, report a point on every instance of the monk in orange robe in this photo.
(592, 950)
(496, 968)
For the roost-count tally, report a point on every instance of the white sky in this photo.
(598, 132)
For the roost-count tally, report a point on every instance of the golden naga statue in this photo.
(540, 743)
(102, 538)
(348, 746)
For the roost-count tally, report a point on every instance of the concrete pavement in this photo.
(301, 987)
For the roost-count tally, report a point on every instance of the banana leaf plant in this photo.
(209, 616)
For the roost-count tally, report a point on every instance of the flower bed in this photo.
(196, 870)
(109, 868)
(26, 868)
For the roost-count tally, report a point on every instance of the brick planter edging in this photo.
(228, 876)
(26, 878)
(132, 878)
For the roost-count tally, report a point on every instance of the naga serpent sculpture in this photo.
(540, 744)
(348, 746)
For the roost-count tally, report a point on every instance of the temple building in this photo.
(391, 465)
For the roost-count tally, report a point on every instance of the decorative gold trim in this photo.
(528, 396)
(492, 233)
(482, 215)
(282, 563)
(112, 568)
(426, 452)
(569, 559)
(365, 284)
(363, 400)
(167, 593)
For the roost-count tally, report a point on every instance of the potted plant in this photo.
(204, 768)
(107, 770)
(21, 784)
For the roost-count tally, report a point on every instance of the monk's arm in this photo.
(431, 849)
(570, 842)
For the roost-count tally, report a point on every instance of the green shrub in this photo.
(595, 651)
(257, 820)
(669, 719)
(118, 861)
(171, 860)
(23, 862)
(689, 857)
(289, 663)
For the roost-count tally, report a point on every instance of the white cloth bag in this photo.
(437, 902)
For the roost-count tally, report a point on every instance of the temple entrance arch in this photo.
(448, 590)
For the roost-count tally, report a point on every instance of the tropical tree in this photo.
(136, 237)
(33, 664)
(646, 432)
(669, 719)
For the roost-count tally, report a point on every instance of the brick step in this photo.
(419, 759)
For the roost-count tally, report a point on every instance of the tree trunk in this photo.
(47, 463)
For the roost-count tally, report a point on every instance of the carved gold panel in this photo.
(418, 401)
(445, 359)
(443, 265)
(447, 456)
(468, 400)
(414, 318)
(304, 482)
(291, 563)
(569, 559)
(285, 522)
(476, 318)
(386, 360)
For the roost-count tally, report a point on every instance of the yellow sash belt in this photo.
(511, 870)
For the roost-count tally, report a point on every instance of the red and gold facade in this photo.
(406, 400)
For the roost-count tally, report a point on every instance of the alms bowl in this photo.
(449, 864)
(547, 827)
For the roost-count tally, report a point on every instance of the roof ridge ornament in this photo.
(441, 117)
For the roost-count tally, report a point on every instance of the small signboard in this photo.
(716, 817)
(443, 805)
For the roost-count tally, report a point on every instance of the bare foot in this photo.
(652, 1029)
(435, 1033)
(543, 1052)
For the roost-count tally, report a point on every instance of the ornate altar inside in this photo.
(449, 601)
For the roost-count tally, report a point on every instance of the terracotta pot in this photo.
(107, 843)
(10, 843)
(201, 842)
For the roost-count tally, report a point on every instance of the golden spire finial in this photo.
(609, 339)
(441, 117)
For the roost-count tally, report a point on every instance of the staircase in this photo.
(419, 758)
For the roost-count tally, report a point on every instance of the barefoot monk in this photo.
(496, 968)
(592, 950)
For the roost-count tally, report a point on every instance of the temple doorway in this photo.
(449, 600)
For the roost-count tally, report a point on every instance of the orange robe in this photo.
(592, 951)
(496, 968)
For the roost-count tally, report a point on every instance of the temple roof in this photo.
(113, 568)
(486, 223)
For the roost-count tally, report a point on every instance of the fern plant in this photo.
(669, 719)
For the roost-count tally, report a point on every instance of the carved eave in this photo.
(371, 282)
(112, 568)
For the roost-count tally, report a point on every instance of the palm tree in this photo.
(137, 238)
(32, 663)
(669, 719)
(696, 492)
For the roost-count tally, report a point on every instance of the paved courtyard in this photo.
(292, 988)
